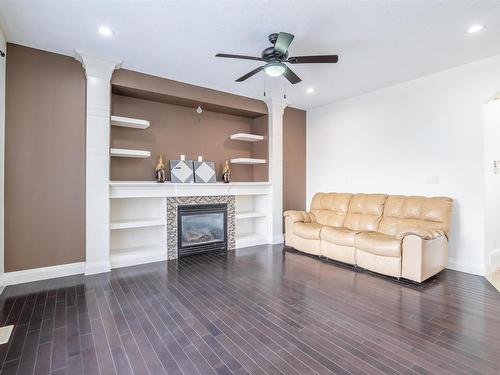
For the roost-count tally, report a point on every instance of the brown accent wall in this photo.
(294, 159)
(177, 130)
(44, 159)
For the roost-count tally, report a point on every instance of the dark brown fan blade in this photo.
(239, 57)
(313, 59)
(249, 74)
(283, 42)
(291, 76)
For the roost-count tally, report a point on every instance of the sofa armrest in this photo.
(299, 216)
(425, 234)
(422, 258)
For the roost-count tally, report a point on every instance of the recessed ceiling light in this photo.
(475, 29)
(310, 90)
(106, 31)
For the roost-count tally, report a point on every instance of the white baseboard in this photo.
(494, 259)
(43, 273)
(278, 238)
(92, 268)
(475, 269)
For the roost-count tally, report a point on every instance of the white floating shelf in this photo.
(137, 223)
(247, 137)
(127, 122)
(248, 161)
(137, 255)
(125, 153)
(249, 215)
(250, 239)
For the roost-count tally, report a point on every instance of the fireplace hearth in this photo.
(201, 228)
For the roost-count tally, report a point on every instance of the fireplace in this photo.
(201, 228)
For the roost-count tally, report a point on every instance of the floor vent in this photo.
(5, 334)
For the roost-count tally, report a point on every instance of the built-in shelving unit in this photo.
(126, 153)
(247, 137)
(249, 215)
(138, 231)
(137, 255)
(127, 122)
(248, 161)
(136, 223)
(252, 220)
(250, 239)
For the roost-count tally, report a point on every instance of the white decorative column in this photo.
(98, 74)
(276, 109)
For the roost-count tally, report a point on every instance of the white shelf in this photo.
(250, 239)
(137, 223)
(248, 161)
(249, 215)
(247, 137)
(137, 255)
(127, 122)
(125, 153)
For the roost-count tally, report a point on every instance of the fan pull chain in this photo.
(284, 89)
(264, 85)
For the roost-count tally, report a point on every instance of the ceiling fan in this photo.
(276, 56)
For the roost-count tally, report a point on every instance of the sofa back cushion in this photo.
(415, 214)
(330, 208)
(365, 212)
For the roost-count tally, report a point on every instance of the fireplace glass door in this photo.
(201, 228)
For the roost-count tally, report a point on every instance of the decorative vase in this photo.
(160, 170)
(226, 172)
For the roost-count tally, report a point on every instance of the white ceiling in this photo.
(380, 43)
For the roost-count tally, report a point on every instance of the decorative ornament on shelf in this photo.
(226, 172)
(160, 174)
(181, 170)
(204, 171)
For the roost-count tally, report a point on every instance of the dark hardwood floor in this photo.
(259, 310)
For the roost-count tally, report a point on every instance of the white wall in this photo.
(492, 183)
(3, 47)
(420, 137)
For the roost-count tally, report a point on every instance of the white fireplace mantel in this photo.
(144, 189)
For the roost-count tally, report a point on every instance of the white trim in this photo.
(494, 259)
(126, 153)
(43, 273)
(250, 239)
(278, 238)
(127, 122)
(138, 255)
(247, 137)
(91, 268)
(129, 189)
(475, 269)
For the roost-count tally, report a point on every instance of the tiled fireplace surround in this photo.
(174, 202)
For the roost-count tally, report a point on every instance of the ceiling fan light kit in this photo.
(276, 56)
(275, 69)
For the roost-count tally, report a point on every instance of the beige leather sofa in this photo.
(394, 235)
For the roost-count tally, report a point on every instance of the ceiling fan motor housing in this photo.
(269, 55)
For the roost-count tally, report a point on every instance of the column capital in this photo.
(97, 67)
(275, 105)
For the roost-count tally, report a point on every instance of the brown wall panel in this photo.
(294, 159)
(44, 159)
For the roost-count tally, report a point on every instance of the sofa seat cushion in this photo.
(378, 244)
(308, 231)
(338, 236)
